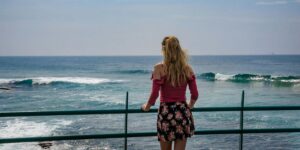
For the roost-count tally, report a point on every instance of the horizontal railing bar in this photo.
(121, 111)
(142, 134)
(272, 130)
(68, 112)
(249, 108)
(265, 108)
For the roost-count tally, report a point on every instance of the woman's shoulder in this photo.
(159, 65)
(158, 70)
(191, 73)
(190, 69)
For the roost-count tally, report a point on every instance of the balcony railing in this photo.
(127, 111)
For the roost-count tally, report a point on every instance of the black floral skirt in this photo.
(174, 121)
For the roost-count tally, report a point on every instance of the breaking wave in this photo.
(136, 71)
(52, 80)
(248, 77)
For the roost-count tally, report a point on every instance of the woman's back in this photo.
(169, 93)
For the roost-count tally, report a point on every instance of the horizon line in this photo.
(144, 55)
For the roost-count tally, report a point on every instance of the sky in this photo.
(137, 27)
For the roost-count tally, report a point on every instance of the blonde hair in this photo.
(176, 61)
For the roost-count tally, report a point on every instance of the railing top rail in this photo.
(122, 111)
(125, 111)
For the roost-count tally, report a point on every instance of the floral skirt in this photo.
(174, 121)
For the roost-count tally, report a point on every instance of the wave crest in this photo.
(248, 77)
(51, 80)
(135, 71)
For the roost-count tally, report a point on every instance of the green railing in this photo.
(126, 111)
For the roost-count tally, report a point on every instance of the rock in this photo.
(45, 145)
(4, 88)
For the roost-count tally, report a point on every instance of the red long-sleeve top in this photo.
(168, 93)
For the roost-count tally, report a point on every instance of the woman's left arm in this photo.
(156, 83)
(153, 96)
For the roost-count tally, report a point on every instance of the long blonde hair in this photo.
(176, 61)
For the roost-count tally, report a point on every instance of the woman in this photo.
(171, 77)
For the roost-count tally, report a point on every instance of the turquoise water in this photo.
(72, 83)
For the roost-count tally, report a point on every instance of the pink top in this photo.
(168, 93)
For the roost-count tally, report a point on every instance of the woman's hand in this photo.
(146, 107)
(191, 104)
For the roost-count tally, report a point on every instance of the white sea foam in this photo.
(49, 80)
(35, 146)
(223, 77)
(20, 128)
(292, 80)
(5, 81)
(23, 128)
(257, 78)
(237, 77)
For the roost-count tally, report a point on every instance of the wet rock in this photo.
(4, 88)
(45, 145)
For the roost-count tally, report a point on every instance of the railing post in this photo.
(126, 118)
(242, 120)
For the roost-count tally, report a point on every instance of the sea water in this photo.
(85, 83)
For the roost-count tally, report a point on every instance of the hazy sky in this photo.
(137, 27)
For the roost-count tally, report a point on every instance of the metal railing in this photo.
(127, 111)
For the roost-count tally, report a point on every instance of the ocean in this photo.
(83, 83)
